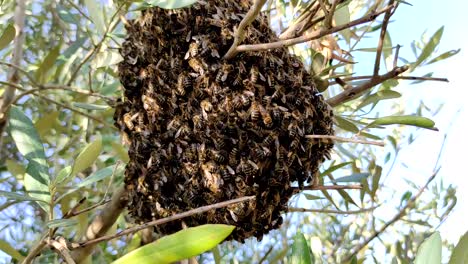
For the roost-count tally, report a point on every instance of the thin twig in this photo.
(313, 35)
(325, 211)
(198, 210)
(300, 23)
(342, 139)
(414, 78)
(328, 187)
(36, 250)
(72, 214)
(101, 224)
(17, 57)
(383, 31)
(329, 17)
(108, 100)
(265, 256)
(354, 92)
(397, 217)
(19, 69)
(240, 32)
(61, 249)
(97, 47)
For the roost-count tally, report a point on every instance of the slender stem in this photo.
(199, 210)
(325, 211)
(329, 187)
(383, 31)
(397, 217)
(342, 139)
(313, 35)
(415, 78)
(354, 92)
(240, 32)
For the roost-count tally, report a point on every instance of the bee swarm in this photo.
(204, 130)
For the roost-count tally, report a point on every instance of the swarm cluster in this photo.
(204, 130)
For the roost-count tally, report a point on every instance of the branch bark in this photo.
(313, 35)
(9, 93)
(240, 32)
(354, 92)
(162, 221)
(101, 224)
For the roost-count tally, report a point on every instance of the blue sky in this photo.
(421, 156)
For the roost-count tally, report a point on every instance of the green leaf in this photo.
(11, 251)
(46, 123)
(378, 96)
(170, 4)
(18, 196)
(36, 180)
(356, 177)
(7, 36)
(334, 168)
(106, 58)
(429, 48)
(181, 245)
(460, 252)
(88, 156)
(410, 120)
(96, 15)
(63, 175)
(121, 151)
(90, 106)
(311, 197)
(301, 251)
(376, 180)
(346, 124)
(445, 55)
(430, 251)
(94, 177)
(42, 73)
(15, 168)
(61, 223)
(67, 16)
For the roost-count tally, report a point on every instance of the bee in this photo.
(201, 151)
(266, 117)
(294, 143)
(176, 64)
(183, 131)
(254, 74)
(183, 81)
(245, 100)
(247, 167)
(223, 72)
(233, 156)
(211, 179)
(262, 153)
(191, 152)
(128, 120)
(198, 122)
(219, 141)
(296, 114)
(226, 172)
(141, 185)
(237, 81)
(237, 102)
(197, 66)
(232, 125)
(192, 51)
(174, 124)
(278, 94)
(218, 156)
(254, 111)
(206, 107)
(243, 140)
(268, 140)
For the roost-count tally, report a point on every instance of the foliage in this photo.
(61, 152)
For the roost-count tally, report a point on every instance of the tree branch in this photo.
(134, 229)
(313, 35)
(397, 217)
(240, 32)
(383, 31)
(101, 224)
(354, 92)
(324, 211)
(342, 139)
(328, 187)
(414, 78)
(17, 57)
